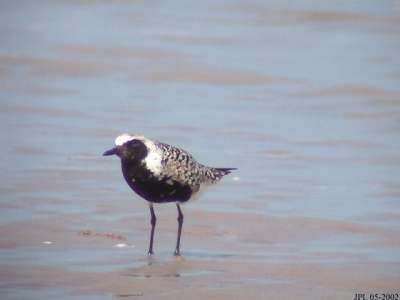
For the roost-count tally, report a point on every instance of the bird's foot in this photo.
(177, 252)
(179, 257)
(150, 253)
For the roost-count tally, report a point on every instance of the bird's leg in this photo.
(180, 222)
(153, 221)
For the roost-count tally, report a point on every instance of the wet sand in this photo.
(235, 255)
(303, 100)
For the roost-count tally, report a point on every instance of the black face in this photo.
(131, 150)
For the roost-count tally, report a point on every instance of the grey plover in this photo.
(161, 173)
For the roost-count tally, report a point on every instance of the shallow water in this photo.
(303, 99)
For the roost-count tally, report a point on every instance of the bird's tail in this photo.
(215, 174)
(225, 171)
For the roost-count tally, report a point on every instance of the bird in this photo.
(162, 173)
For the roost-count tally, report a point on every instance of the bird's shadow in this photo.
(151, 266)
(167, 265)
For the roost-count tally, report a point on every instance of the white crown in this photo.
(123, 138)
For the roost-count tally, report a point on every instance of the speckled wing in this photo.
(180, 166)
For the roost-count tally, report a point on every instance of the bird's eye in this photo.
(133, 143)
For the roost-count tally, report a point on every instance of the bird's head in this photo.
(128, 147)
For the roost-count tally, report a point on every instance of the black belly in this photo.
(154, 190)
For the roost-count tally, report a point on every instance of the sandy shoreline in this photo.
(254, 257)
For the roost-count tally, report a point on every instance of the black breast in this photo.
(152, 188)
